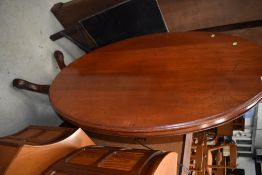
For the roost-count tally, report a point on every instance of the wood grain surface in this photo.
(188, 15)
(99, 160)
(159, 85)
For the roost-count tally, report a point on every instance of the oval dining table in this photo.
(160, 84)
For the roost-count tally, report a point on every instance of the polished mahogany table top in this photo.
(160, 85)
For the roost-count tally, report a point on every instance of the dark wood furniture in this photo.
(159, 85)
(97, 160)
(120, 21)
(32, 150)
(228, 128)
(29, 86)
(225, 130)
(179, 15)
(239, 124)
(172, 11)
(209, 15)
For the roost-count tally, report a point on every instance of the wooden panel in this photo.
(120, 161)
(7, 154)
(252, 34)
(130, 19)
(188, 15)
(90, 157)
(225, 130)
(175, 143)
(123, 161)
(38, 135)
(27, 133)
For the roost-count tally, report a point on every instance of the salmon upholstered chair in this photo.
(34, 149)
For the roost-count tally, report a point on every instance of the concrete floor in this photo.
(26, 52)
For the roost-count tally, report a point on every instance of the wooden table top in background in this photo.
(160, 85)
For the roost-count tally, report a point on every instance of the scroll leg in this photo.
(23, 84)
(59, 57)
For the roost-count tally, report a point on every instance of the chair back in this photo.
(38, 135)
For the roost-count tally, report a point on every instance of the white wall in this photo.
(26, 52)
(248, 164)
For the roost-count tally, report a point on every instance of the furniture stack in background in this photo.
(214, 151)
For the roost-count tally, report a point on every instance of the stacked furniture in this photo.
(221, 157)
(121, 20)
(214, 152)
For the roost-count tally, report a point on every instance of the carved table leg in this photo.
(59, 57)
(23, 84)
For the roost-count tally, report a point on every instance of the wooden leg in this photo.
(59, 57)
(26, 85)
